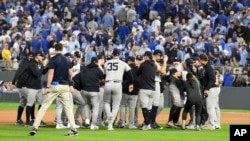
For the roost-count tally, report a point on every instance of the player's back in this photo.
(114, 69)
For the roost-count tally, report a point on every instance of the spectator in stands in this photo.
(243, 55)
(235, 55)
(122, 32)
(246, 80)
(228, 79)
(6, 55)
(237, 80)
(214, 54)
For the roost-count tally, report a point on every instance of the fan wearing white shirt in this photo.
(156, 24)
(14, 20)
(65, 43)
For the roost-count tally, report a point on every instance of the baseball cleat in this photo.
(72, 133)
(33, 131)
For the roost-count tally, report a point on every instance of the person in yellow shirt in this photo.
(6, 55)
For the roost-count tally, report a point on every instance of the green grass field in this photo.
(21, 133)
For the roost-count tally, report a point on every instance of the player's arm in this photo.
(162, 69)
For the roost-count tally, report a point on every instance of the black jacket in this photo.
(90, 77)
(209, 77)
(147, 72)
(126, 81)
(20, 77)
(35, 71)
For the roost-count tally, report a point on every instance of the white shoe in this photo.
(87, 122)
(209, 127)
(217, 127)
(190, 126)
(108, 120)
(146, 127)
(60, 126)
(94, 127)
(132, 127)
(101, 124)
(77, 126)
(110, 128)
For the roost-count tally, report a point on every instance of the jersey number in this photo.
(113, 66)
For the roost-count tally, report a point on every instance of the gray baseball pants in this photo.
(212, 102)
(92, 99)
(130, 101)
(112, 92)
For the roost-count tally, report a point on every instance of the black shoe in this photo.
(32, 121)
(33, 131)
(77, 122)
(29, 124)
(42, 124)
(19, 122)
(156, 126)
(72, 133)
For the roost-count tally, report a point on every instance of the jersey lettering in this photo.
(112, 66)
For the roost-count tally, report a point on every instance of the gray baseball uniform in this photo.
(114, 70)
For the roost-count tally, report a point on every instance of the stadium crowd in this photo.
(180, 28)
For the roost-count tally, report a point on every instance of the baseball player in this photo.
(19, 81)
(147, 71)
(114, 70)
(156, 98)
(177, 95)
(211, 91)
(129, 98)
(100, 118)
(91, 76)
(36, 68)
(138, 61)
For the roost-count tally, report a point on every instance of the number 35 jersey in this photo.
(114, 70)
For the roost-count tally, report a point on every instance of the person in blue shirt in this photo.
(36, 44)
(223, 18)
(145, 35)
(243, 56)
(89, 54)
(122, 32)
(228, 79)
(108, 20)
(59, 34)
(160, 7)
(45, 30)
(142, 9)
(159, 46)
(151, 43)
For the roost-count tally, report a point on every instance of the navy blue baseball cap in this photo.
(131, 58)
(77, 54)
(116, 52)
(139, 57)
(31, 54)
(149, 54)
(173, 71)
(94, 60)
(39, 53)
(158, 52)
(68, 55)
